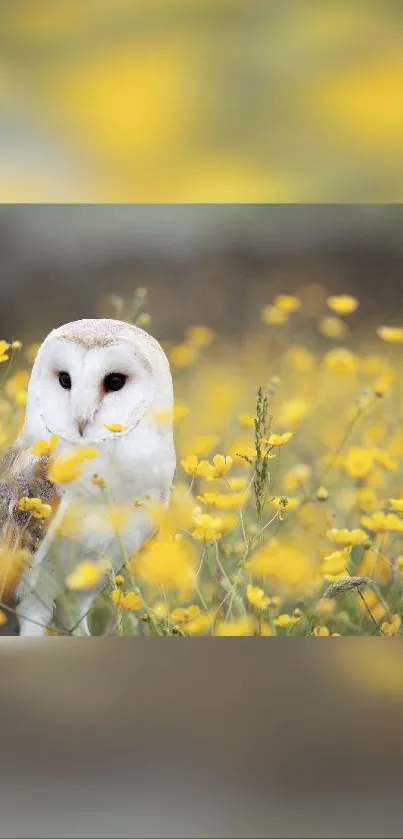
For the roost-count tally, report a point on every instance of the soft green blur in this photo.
(209, 100)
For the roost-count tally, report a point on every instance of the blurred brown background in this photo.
(212, 264)
(211, 100)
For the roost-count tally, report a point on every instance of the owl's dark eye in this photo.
(65, 380)
(114, 381)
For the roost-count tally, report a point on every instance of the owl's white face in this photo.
(78, 391)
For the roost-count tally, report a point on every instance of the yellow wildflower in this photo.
(332, 327)
(274, 316)
(257, 597)
(390, 334)
(87, 575)
(367, 500)
(35, 507)
(280, 439)
(285, 562)
(230, 500)
(326, 607)
(198, 625)
(385, 460)
(194, 467)
(13, 563)
(183, 615)
(3, 618)
(340, 361)
(335, 565)
(358, 461)
(285, 621)
(397, 504)
(322, 494)
(182, 355)
(166, 562)
(44, 448)
(240, 450)
(16, 345)
(118, 579)
(343, 304)
(343, 536)
(392, 627)
(207, 528)
(293, 412)
(129, 602)
(302, 359)
(199, 336)
(116, 427)
(66, 468)
(284, 503)
(244, 625)
(381, 522)
(321, 631)
(4, 346)
(221, 465)
(287, 303)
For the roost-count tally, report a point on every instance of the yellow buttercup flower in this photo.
(397, 504)
(116, 427)
(166, 563)
(194, 467)
(44, 448)
(67, 468)
(199, 336)
(287, 303)
(341, 361)
(37, 508)
(284, 502)
(207, 528)
(343, 536)
(381, 522)
(390, 334)
(392, 627)
(358, 461)
(343, 304)
(182, 356)
(321, 632)
(285, 621)
(129, 602)
(87, 575)
(274, 316)
(244, 625)
(301, 359)
(3, 617)
(257, 597)
(4, 346)
(332, 327)
(280, 439)
(335, 565)
(293, 411)
(220, 467)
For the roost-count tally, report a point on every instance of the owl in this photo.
(99, 387)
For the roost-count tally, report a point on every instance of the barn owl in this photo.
(89, 376)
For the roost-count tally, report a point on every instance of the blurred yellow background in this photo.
(204, 101)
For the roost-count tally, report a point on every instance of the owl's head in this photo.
(92, 373)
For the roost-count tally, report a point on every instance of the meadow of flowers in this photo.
(286, 515)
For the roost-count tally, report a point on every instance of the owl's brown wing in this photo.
(21, 534)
